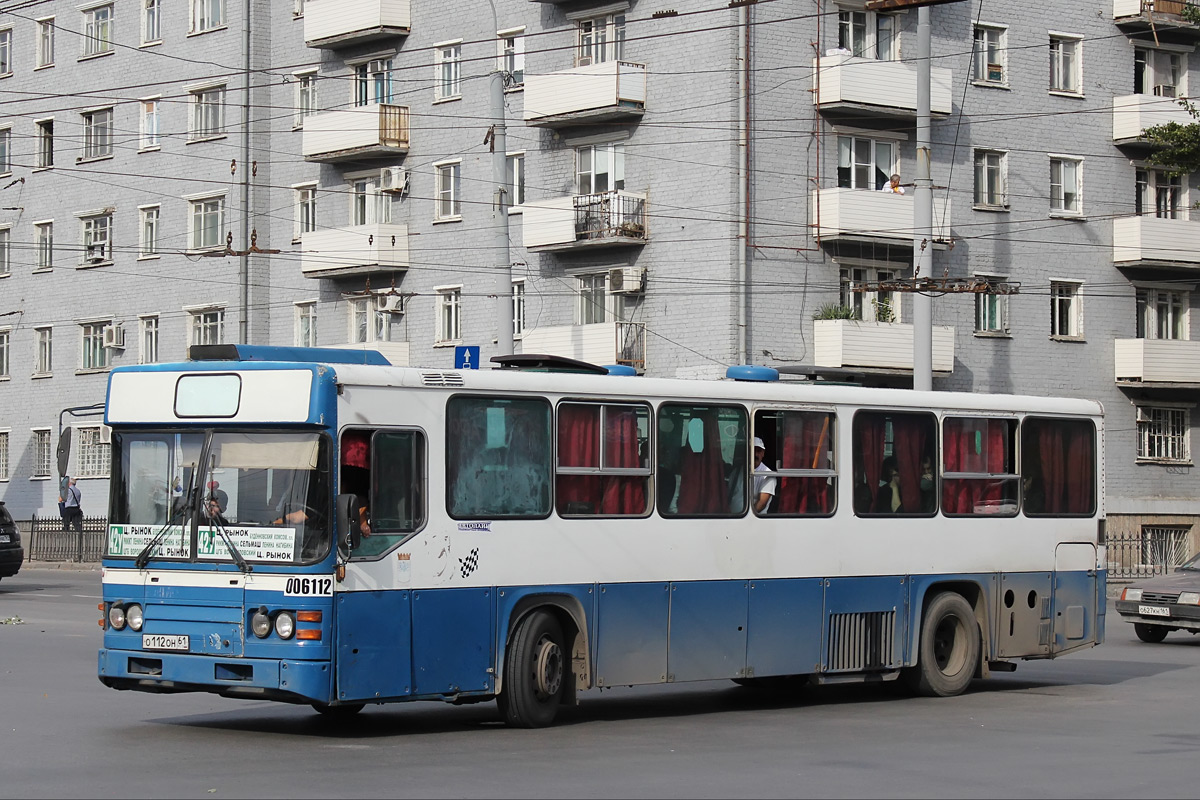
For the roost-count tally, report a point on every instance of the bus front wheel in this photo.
(948, 651)
(534, 672)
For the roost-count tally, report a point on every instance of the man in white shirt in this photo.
(764, 479)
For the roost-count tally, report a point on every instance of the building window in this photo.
(94, 455)
(207, 326)
(512, 56)
(1159, 192)
(151, 16)
(42, 452)
(208, 112)
(298, 8)
(600, 39)
(4, 473)
(97, 133)
(991, 179)
(207, 222)
(449, 314)
(97, 239)
(97, 30)
(373, 82)
(1162, 314)
(449, 188)
(305, 217)
(1158, 72)
(599, 168)
(6, 52)
(367, 322)
(991, 311)
(45, 143)
(44, 363)
(207, 15)
(5, 252)
(95, 354)
(1065, 310)
(148, 241)
(514, 168)
(1066, 185)
(1064, 64)
(306, 324)
(872, 306)
(991, 55)
(1163, 434)
(148, 340)
(369, 205)
(44, 234)
(148, 125)
(306, 96)
(518, 300)
(45, 42)
(865, 163)
(5, 151)
(448, 65)
(869, 35)
(5, 352)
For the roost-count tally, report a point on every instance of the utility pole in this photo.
(497, 139)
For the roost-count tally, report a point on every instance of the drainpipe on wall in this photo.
(743, 184)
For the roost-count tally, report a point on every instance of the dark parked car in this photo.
(1157, 606)
(11, 552)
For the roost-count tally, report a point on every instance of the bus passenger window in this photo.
(889, 449)
(979, 467)
(603, 459)
(799, 451)
(392, 491)
(1058, 467)
(702, 461)
(498, 458)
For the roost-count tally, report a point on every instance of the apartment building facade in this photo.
(688, 187)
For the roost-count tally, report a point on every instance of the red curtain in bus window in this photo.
(910, 438)
(702, 487)
(959, 438)
(805, 440)
(1067, 467)
(868, 448)
(622, 494)
(579, 446)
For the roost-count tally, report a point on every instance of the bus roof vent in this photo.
(538, 362)
(257, 352)
(620, 369)
(751, 372)
(441, 379)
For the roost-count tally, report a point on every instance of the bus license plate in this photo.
(1154, 611)
(158, 641)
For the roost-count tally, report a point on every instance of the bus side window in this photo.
(1058, 467)
(979, 467)
(706, 447)
(394, 490)
(889, 449)
(499, 457)
(603, 459)
(799, 452)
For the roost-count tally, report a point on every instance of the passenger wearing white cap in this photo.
(764, 480)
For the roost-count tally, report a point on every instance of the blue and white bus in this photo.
(320, 527)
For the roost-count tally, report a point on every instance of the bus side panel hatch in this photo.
(866, 619)
(374, 651)
(784, 627)
(631, 633)
(708, 631)
(452, 640)
(1075, 596)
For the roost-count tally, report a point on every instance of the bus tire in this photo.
(1151, 634)
(535, 665)
(948, 651)
(344, 711)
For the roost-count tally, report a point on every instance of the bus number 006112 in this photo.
(309, 587)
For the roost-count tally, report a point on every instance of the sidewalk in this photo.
(77, 566)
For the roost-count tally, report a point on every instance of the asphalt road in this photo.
(1117, 721)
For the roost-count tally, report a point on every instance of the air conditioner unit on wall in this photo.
(625, 280)
(583, 61)
(114, 337)
(105, 434)
(1164, 90)
(394, 179)
(93, 253)
(389, 303)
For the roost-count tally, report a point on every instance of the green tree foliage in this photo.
(1176, 146)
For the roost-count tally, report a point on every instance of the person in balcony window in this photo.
(893, 185)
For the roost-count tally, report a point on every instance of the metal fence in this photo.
(49, 541)
(1157, 550)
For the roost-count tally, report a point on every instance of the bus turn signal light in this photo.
(309, 633)
(308, 616)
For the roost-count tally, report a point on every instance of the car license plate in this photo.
(5, 538)
(158, 641)
(1154, 611)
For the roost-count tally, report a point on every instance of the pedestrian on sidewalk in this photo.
(72, 512)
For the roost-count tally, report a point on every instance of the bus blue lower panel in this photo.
(298, 681)
(708, 630)
(632, 620)
(784, 626)
(452, 639)
(374, 645)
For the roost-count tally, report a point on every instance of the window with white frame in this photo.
(42, 452)
(448, 189)
(1163, 434)
(1160, 193)
(872, 306)
(44, 355)
(94, 457)
(369, 204)
(207, 326)
(596, 303)
(514, 171)
(97, 238)
(373, 82)
(5, 352)
(207, 15)
(1065, 57)
(207, 221)
(148, 339)
(148, 124)
(865, 163)
(1162, 313)
(5, 251)
(991, 179)
(599, 168)
(93, 355)
(306, 324)
(306, 96)
(5, 151)
(4, 473)
(1066, 312)
(991, 55)
(367, 322)
(305, 217)
(45, 42)
(518, 303)
(98, 133)
(449, 314)
(208, 112)
(448, 70)
(151, 21)
(45, 143)
(512, 56)
(148, 230)
(1066, 185)
(991, 310)
(298, 8)
(1159, 72)
(97, 30)
(600, 39)
(6, 40)
(43, 234)
(869, 34)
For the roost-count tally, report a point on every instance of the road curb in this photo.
(74, 566)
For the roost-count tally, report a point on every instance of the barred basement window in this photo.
(41, 453)
(1163, 434)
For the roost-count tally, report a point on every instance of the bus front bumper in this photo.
(261, 678)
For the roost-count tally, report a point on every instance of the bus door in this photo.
(1075, 596)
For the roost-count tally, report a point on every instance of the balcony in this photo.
(599, 343)
(867, 216)
(1133, 113)
(876, 345)
(377, 130)
(354, 250)
(881, 88)
(584, 95)
(605, 219)
(395, 352)
(1167, 362)
(1152, 241)
(342, 23)
(1160, 16)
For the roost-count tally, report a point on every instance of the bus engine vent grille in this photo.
(863, 641)
(441, 379)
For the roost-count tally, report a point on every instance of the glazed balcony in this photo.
(1157, 361)
(583, 95)
(1155, 15)
(343, 23)
(354, 250)
(1152, 241)
(869, 216)
(852, 84)
(1133, 113)
(601, 343)
(876, 345)
(377, 130)
(603, 219)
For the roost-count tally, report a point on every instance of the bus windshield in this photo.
(269, 490)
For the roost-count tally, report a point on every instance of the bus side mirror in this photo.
(348, 532)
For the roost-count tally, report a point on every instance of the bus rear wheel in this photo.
(948, 651)
(535, 665)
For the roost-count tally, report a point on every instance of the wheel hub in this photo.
(549, 670)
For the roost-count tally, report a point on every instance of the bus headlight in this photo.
(1189, 599)
(285, 624)
(116, 617)
(134, 616)
(1131, 595)
(260, 623)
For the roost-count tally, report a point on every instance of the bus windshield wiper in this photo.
(143, 558)
(217, 521)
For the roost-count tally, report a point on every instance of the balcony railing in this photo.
(599, 343)
(1152, 240)
(377, 130)
(1124, 9)
(587, 220)
(595, 93)
(341, 23)
(354, 250)
(881, 87)
(876, 345)
(865, 215)
(1166, 361)
(1133, 113)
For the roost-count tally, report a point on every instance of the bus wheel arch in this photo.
(536, 667)
(950, 643)
(573, 621)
